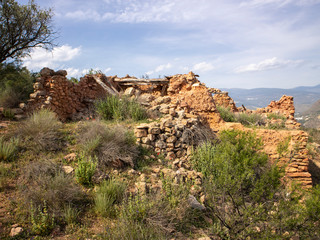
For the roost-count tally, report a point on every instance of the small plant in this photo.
(136, 208)
(86, 169)
(8, 113)
(42, 222)
(109, 193)
(4, 174)
(71, 214)
(115, 108)
(283, 147)
(226, 114)
(8, 149)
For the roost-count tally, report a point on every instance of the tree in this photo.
(22, 28)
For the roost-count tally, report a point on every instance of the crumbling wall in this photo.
(174, 136)
(67, 99)
(295, 158)
(285, 107)
(223, 99)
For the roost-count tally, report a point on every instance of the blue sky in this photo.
(229, 43)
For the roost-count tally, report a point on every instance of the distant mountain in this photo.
(304, 97)
(314, 109)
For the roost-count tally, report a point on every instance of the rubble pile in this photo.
(175, 135)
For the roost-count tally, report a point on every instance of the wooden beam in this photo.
(104, 86)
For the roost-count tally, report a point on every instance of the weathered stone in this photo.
(171, 139)
(154, 130)
(16, 231)
(195, 204)
(160, 144)
(46, 72)
(67, 169)
(141, 132)
(129, 91)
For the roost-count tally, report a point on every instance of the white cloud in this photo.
(278, 3)
(40, 57)
(160, 68)
(76, 72)
(267, 64)
(203, 67)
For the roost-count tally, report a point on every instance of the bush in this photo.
(108, 194)
(250, 119)
(46, 181)
(8, 149)
(86, 169)
(8, 113)
(114, 145)
(244, 193)
(237, 181)
(115, 108)
(276, 116)
(226, 114)
(16, 84)
(42, 127)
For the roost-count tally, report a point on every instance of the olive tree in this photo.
(22, 28)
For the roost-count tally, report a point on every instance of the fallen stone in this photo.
(16, 231)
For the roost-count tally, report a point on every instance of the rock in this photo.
(70, 157)
(160, 144)
(16, 231)
(67, 169)
(61, 73)
(46, 72)
(195, 204)
(23, 106)
(154, 130)
(141, 132)
(130, 91)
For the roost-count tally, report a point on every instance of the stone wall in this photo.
(295, 159)
(67, 99)
(174, 136)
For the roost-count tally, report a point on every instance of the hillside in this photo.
(304, 97)
(139, 159)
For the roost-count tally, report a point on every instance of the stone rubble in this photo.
(185, 105)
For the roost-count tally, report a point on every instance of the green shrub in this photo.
(86, 169)
(16, 84)
(226, 114)
(313, 204)
(112, 145)
(276, 116)
(115, 108)
(8, 149)
(42, 222)
(71, 214)
(42, 127)
(250, 119)
(8, 113)
(202, 158)
(238, 181)
(108, 194)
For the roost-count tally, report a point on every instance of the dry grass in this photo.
(114, 145)
(42, 128)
